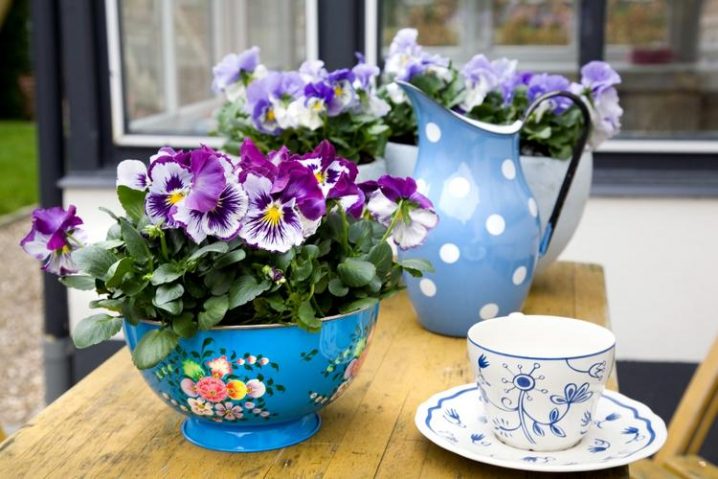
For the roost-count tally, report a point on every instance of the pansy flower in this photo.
(53, 237)
(308, 110)
(396, 203)
(268, 98)
(276, 219)
(132, 174)
(170, 185)
(341, 81)
(336, 176)
(230, 69)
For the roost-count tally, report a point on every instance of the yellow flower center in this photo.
(175, 197)
(270, 116)
(319, 175)
(273, 215)
(65, 249)
(338, 90)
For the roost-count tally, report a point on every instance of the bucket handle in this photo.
(572, 167)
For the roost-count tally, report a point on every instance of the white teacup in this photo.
(540, 377)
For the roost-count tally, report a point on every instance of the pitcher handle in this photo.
(572, 167)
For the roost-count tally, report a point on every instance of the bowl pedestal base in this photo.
(240, 438)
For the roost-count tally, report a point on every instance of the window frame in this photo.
(121, 136)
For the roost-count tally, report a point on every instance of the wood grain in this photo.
(112, 425)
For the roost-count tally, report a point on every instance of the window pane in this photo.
(532, 23)
(169, 47)
(667, 54)
(539, 33)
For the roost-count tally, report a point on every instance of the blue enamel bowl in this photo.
(257, 388)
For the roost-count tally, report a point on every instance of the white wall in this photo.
(660, 258)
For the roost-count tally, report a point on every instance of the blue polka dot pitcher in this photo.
(489, 237)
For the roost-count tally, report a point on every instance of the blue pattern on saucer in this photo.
(620, 431)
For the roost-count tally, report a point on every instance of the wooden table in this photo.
(111, 424)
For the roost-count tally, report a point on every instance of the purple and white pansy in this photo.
(396, 203)
(272, 202)
(54, 235)
(277, 101)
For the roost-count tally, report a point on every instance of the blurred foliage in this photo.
(15, 54)
(18, 162)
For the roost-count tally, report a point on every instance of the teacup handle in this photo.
(572, 167)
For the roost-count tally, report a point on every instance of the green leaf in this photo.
(245, 289)
(214, 310)
(168, 292)
(85, 283)
(355, 272)
(133, 201)
(173, 307)
(109, 244)
(132, 286)
(337, 288)
(95, 329)
(136, 244)
(219, 281)
(184, 326)
(306, 317)
(217, 247)
(358, 304)
(94, 261)
(417, 264)
(382, 257)
(301, 270)
(230, 258)
(111, 304)
(117, 272)
(154, 347)
(166, 273)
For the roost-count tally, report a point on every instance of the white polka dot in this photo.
(433, 132)
(427, 287)
(533, 208)
(449, 253)
(508, 169)
(495, 224)
(459, 187)
(519, 275)
(421, 186)
(489, 311)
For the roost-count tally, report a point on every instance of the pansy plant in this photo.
(300, 108)
(208, 239)
(496, 91)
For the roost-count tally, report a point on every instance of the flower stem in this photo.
(345, 229)
(394, 220)
(163, 246)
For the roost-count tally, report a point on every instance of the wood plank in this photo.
(647, 469)
(691, 467)
(696, 411)
(112, 425)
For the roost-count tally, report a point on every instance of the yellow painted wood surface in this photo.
(111, 424)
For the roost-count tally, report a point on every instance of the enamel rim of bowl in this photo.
(271, 326)
(545, 357)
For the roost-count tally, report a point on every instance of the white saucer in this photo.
(623, 431)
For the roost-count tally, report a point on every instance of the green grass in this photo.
(18, 165)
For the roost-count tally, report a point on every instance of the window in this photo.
(162, 53)
(667, 53)
(538, 33)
